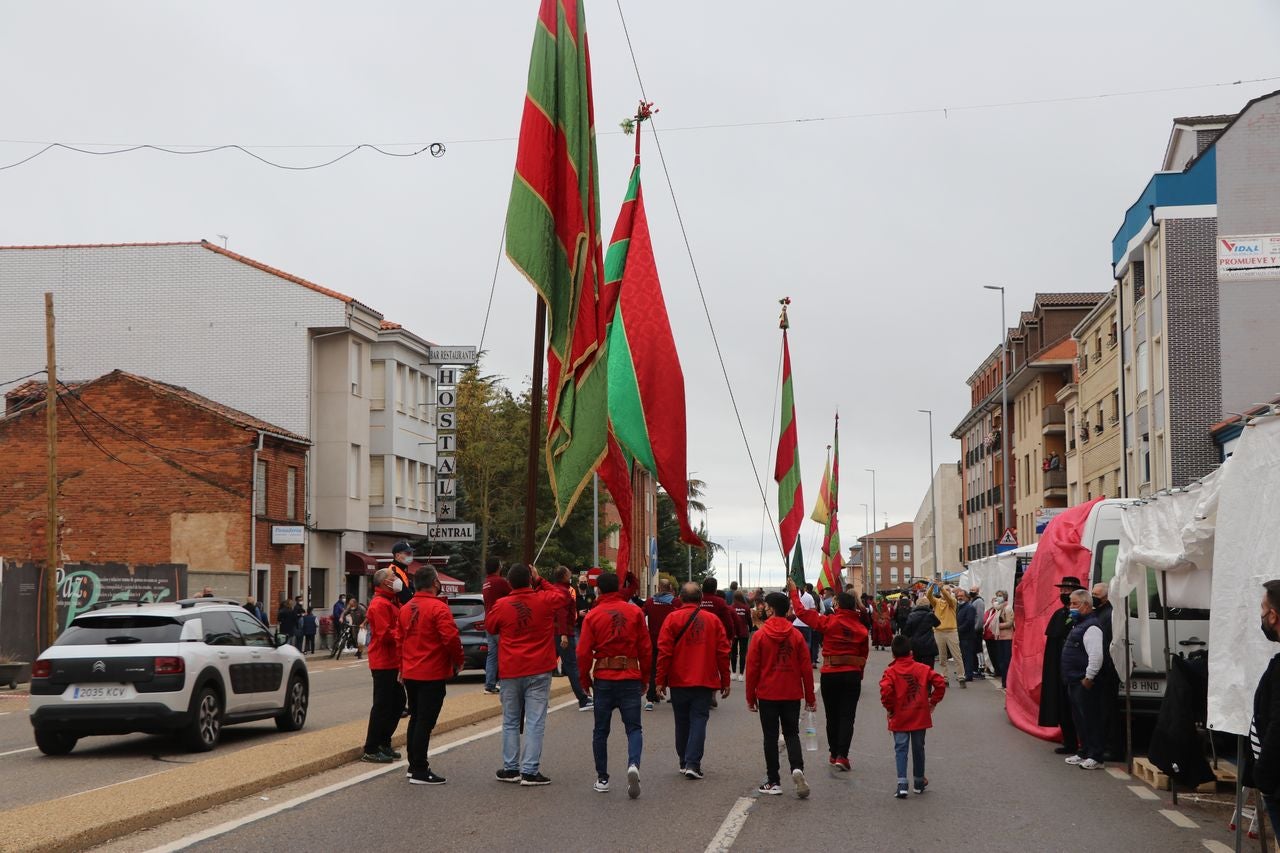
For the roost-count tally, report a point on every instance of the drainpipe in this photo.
(1124, 419)
(253, 522)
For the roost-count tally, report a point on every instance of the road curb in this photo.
(81, 821)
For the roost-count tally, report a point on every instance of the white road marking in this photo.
(733, 823)
(5, 713)
(228, 826)
(1118, 773)
(1177, 818)
(1215, 846)
(112, 785)
(1142, 792)
(16, 751)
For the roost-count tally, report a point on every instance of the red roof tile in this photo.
(387, 324)
(1070, 299)
(311, 285)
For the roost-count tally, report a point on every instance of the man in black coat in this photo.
(1262, 765)
(1055, 706)
(1108, 680)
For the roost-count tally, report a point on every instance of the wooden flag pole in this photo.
(535, 415)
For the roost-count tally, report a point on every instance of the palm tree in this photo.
(697, 490)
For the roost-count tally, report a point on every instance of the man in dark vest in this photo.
(1055, 707)
(1082, 659)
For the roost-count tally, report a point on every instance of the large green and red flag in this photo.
(822, 507)
(832, 559)
(786, 468)
(553, 238)
(797, 567)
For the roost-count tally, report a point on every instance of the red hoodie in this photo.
(656, 612)
(430, 648)
(614, 628)
(713, 602)
(567, 612)
(382, 617)
(778, 666)
(909, 691)
(525, 624)
(495, 588)
(702, 657)
(843, 633)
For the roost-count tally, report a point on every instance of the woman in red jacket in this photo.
(742, 632)
(779, 675)
(845, 645)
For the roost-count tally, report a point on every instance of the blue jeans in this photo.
(692, 709)
(625, 696)
(525, 696)
(491, 662)
(900, 742)
(569, 663)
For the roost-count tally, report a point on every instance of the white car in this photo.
(186, 667)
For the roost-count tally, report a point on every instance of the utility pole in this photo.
(871, 575)
(51, 439)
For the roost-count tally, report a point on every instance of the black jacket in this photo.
(920, 624)
(1054, 710)
(965, 615)
(286, 619)
(1263, 772)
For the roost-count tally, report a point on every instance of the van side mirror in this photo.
(192, 631)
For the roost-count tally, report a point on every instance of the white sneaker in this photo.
(633, 781)
(802, 787)
(602, 785)
(1090, 764)
(1075, 759)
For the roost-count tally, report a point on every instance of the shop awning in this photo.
(359, 563)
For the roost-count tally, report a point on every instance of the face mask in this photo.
(1270, 632)
(999, 599)
(1075, 614)
(397, 585)
(1097, 602)
(1065, 598)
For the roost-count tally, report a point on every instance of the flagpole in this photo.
(535, 415)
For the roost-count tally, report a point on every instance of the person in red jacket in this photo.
(693, 659)
(614, 657)
(382, 619)
(495, 588)
(567, 635)
(845, 645)
(779, 675)
(525, 624)
(910, 691)
(656, 610)
(430, 655)
(741, 633)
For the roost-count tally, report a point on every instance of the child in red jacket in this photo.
(779, 675)
(910, 691)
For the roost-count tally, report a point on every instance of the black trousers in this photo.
(384, 713)
(840, 694)
(1068, 724)
(652, 695)
(426, 698)
(787, 713)
(1086, 709)
(737, 655)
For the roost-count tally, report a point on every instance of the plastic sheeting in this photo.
(1246, 554)
(995, 572)
(1059, 554)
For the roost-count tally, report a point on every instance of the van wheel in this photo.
(205, 728)
(55, 743)
(296, 698)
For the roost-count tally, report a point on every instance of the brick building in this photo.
(151, 474)
(981, 508)
(1094, 442)
(889, 556)
(644, 529)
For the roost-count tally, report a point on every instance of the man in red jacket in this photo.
(567, 635)
(693, 658)
(495, 588)
(615, 644)
(779, 674)
(430, 655)
(382, 619)
(525, 624)
(656, 610)
(910, 691)
(845, 646)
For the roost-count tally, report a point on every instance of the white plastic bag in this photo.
(362, 637)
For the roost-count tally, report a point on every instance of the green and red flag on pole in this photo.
(786, 468)
(797, 567)
(553, 238)
(646, 383)
(832, 559)
(822, 508)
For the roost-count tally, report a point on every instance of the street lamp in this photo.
(871, 574)
(933, 497)
(1004, 411)
(866, 525)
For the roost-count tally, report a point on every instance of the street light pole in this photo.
(1004, 411)
(933, 497)
(872, 574)
(866, 525)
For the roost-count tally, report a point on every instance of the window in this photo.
(411, 397)
(893, 574)
(877, 550)
(401, 480)
(291, 493)
(378, 385)
(893, 552)
(877, 574)
(353, 472)
(260, 488)
(318, 591)
(428, 480)
(219, 630)
(357, 368)
(1115, 407)
(1142, 379)
(906, 552)
(377, 480)
(1144, 454)
(252, 630)
(402, 386)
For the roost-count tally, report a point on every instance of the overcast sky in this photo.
(882, 230)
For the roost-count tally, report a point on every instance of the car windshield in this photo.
(114, 629)
(466, 609)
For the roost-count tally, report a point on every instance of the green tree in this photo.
(675, 556)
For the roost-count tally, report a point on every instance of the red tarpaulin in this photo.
(1059, 554)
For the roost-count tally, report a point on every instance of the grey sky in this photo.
(882, 230)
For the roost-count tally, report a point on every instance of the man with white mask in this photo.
(383, 620)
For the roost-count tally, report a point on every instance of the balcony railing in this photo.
(1053, 418)
(1055, 479)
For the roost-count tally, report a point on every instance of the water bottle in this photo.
(810, 731)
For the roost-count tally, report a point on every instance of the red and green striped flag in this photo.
(832, 559)
(553, 238)
(786, 469)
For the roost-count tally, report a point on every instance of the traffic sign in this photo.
(593, 574)
(1008, 541)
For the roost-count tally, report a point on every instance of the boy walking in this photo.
(779, 673)
(910, 691)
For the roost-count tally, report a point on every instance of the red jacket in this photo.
(714, 603)
(656, 612)
(567, 613)
(382, 617)
(702, 657)
(614, 628)
(430, 648)
(778, 664)
(495, 588)
(525, 622)
(843, 633)
(741, 620)
(909, 691)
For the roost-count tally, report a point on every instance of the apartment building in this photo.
(1094, 437)
(319, 363)
(1197, 258)
(940, 550)
(889, 556)
(981, 509)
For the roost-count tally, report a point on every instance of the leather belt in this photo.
(617, 662)
(844, 660)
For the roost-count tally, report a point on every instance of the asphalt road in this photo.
(340, 692)
(992, 789)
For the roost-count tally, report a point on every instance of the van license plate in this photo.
(1148, 686)
(101, 692)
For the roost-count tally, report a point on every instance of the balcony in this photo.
(1053, 419)
(1055, 483)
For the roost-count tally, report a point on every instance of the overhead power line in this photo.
(435, 149)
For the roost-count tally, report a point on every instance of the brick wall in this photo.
(1195, 367)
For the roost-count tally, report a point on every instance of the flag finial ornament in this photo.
(783, 322)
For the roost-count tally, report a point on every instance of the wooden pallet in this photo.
(1153, 776)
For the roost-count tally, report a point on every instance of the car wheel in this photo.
(205, 728)
(55, 743)
(296, 699)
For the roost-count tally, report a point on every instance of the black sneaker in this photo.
(901, 793)
(529, 780)
(693, 772)
(386, 750)
(426, 777)
(505, 775)
(921, 784)
(378, 757)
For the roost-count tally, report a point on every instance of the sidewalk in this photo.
(83, 820)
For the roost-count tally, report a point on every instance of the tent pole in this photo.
(1168, 666)
(1239, 819)
(1128, 694)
